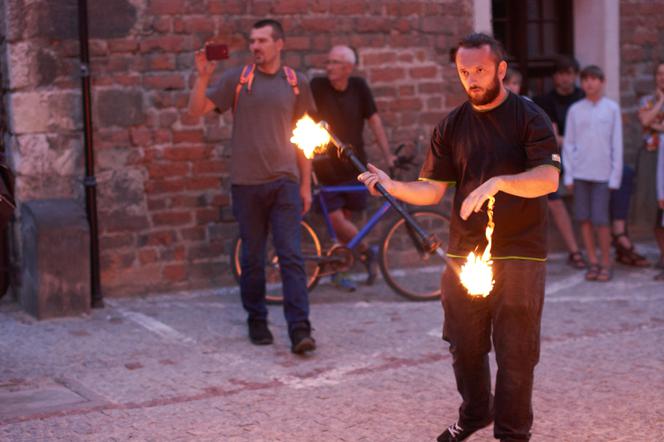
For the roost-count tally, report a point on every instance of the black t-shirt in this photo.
(468, 147)
(345, 111)
(556, 105)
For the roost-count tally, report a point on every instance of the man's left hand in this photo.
(475, 200)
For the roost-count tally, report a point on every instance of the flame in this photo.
(477, 274)
(309, 135)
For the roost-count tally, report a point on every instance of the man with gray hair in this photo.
(345, 102)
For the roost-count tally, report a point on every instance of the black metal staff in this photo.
(90, 181)
(430, 242)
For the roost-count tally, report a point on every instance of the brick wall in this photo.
(163, 182)
(641, 45)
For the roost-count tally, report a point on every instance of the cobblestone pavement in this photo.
(179, 367)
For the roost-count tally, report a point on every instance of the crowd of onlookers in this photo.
(589, 132)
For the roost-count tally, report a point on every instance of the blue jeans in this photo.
(509, 318)
(274, 206)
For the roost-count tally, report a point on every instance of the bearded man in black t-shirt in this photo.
(345, 102)
(495, 144)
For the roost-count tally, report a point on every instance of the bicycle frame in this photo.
(364, 231)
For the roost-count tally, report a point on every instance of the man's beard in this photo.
(488, 96)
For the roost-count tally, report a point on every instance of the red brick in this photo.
(167, 43)
(210, 166)
(122, 45)
(379, 58)
(227, 7)
(116, 260)
(387, 74)
(347, 7)
(171, 218)
(140, 136)
(188, 136)
(161, 62)
(194, 233)
(424, 72)
(176, 253)
(116, 241)
(166, 81)
(155, 204)
(165, 186)
(163, 25)
(165, 170)
(168, 117)
(174, 272)
(205, 251)
(289, 6)
(372, 24)
(406, 91)
(319, 24)
(126, 80)
(404, 104)
(430, 88)
(147, 256)
(204, 216)
(166, 7)
(158, 238)
(203, 183)
(298, 43)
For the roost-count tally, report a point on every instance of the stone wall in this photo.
(163, 176)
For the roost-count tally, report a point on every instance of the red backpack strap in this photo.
(291, 76)
(246, 77)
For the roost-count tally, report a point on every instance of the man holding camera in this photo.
(271, 179)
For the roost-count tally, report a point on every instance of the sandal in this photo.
(605, 274)
(627, 255)
(593, 272)
(575, 260)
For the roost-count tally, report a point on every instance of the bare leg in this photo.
(604, 236)
(589, 241)
(619, 228)
(342, 226)
(564, 224)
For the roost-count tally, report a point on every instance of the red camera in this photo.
(216, 51)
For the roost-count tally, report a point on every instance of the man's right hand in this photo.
(204, 67)
(374, 176)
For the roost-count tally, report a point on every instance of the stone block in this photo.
(119, 107)
(55, 278)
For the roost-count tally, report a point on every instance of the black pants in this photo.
(510, 317)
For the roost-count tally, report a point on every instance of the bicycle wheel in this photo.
(311, 251)
(411, 272)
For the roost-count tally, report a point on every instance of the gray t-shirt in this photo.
(261, 150)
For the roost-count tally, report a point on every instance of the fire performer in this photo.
(270, 178)
(495, 144)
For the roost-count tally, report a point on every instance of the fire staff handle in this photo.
(430, 242)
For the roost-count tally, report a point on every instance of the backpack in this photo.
(247, 77)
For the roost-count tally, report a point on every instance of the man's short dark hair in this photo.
(477, 40)
(564, 63)
(277, 29)
(592, 71)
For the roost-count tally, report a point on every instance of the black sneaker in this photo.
(456, 433)
(301, 340)
(259, 334)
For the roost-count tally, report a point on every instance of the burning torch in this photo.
(476, 275)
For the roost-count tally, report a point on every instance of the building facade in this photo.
(162, 176)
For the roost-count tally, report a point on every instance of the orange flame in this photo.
(477, 274)
(309, 136)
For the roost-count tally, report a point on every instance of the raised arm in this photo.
(199, 103)
(647, 115)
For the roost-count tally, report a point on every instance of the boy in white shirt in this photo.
(592, 159)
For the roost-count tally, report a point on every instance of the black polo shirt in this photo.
(468, 147)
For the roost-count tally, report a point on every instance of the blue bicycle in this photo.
(405, 264)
